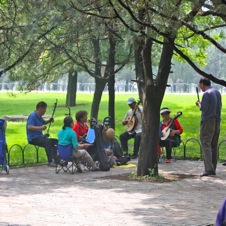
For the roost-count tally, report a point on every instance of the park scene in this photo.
(112, 112)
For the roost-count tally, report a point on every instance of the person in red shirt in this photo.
(80, 127)
(174, 133)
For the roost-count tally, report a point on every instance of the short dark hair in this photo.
(41, 104)
(205, 81)
(80, 114)
(67, 122)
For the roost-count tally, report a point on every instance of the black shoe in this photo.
(208, 173)
(134, 157)
(224, 163)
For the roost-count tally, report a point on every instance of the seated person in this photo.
(108, 136)
(175, 130)
(34, 127)
(67, 136)
(135, 132)
(80, 127)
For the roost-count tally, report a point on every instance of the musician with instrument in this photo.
(34, 127)
(133, 124)
(170, 132)
(210, 107)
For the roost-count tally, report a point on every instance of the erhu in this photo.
(54, 109)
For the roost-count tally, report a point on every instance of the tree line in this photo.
(42, 40)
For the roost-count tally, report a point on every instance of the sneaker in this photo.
(52, 164)
(208, 173)
(168, 161)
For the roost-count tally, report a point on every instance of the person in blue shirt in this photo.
(67, 136)
(34, 127)
(210, 107)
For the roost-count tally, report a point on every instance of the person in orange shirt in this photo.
(175, 131)
(80, 127)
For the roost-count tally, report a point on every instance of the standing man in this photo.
(35, 126)
(133, 123)
(210, 125)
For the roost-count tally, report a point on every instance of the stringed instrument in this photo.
(166, 130)
(132, 119)
(54, 109)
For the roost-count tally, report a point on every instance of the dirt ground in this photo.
(39, 196)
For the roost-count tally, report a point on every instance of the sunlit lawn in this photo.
(24, 104)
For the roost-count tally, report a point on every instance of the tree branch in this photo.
(198, 70)
(26, 52)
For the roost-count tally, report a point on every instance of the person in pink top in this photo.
(80, 127)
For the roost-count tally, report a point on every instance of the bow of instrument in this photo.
(54, 109)
(197, 92)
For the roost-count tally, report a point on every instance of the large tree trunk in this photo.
(111, 81)
(100, 84)
(71, 88)
(152, 99)
(139, 68)
(111, 104)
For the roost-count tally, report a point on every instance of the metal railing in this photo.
(30, 154)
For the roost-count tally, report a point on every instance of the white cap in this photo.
(163, 110)
(131, 100)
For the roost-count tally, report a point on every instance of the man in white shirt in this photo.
(133, 123)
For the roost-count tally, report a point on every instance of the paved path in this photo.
(38, 196)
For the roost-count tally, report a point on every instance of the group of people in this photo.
(133, 124)
(210, 107)
(70, 133)
(73, 133)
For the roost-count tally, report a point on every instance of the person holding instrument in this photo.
(34, 127)
(170, 132)
(133, 124)
(210, 106)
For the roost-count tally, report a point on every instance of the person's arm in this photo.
(75, 143)
(32, 126)
(76, 130)
(178, 129)
(124, 122)
(48, 121)
(36, 127)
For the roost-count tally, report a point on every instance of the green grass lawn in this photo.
(24, 104)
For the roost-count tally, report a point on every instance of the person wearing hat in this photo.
(174, 132)
(133, 123)
(67, 136)
(108, 136)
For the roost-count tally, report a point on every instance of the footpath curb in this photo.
(38, 196)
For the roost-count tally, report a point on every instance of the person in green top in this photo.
(67, 136)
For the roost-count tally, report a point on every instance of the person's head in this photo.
(165, 112)
(131, 102)
(68, 122)
(81, 116)
(41, 108)
(108, 135)
(204, 83)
